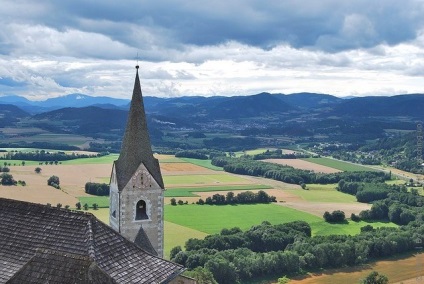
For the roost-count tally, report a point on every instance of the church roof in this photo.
(40, 244)
(136, 147)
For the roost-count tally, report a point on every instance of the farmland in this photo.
(245, 216)
(304, 165)
(397, 269)
(189, 180)
(337, 164)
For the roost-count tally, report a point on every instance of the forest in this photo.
(246, 166)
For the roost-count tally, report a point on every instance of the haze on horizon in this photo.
(207, 48)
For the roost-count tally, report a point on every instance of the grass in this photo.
(339, 165)
(17, 163)
(102, 214)
(211, 219)
(203, 163)
(202, 179)
(188, 191)
(108, 159)
(177, 235)
(323, 193)
(102, 201)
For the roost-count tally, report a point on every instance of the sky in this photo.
(51, 48)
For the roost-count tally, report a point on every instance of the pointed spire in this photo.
(136, 147)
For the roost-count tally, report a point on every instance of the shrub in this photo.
(54, 181)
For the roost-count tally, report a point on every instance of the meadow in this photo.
(209, 218)
(337, 164)
(183, 178)
(189, 191)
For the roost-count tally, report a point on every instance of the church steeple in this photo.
(136, 184)
(136, 147)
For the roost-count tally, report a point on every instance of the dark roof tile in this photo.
(60, 235)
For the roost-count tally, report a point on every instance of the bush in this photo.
(54, 181)
(337, 216)
(354, 217)
(7, 179)
(173, 201)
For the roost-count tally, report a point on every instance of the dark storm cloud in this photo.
(326, 25)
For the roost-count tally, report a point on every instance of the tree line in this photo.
(43, 155)
(278, 154)
(390, 202)
(233, 255)
(99, 189)
(246, 166)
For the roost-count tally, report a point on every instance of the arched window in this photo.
(140, 210)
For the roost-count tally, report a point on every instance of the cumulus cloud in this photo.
(233, 47)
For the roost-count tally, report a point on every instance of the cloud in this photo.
(233, 47)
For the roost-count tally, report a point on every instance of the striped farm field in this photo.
(303, 165)
(203, 163)
(188, 191)
(212, 219)
(339, 165)
(203, 179)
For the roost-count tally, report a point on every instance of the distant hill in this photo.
(10, 114)
(72, 100)
(249, 106)
(310, 100)
(401, 105)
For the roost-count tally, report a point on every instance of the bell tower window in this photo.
(140, 211)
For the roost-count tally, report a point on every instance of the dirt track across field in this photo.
(72, 181)
(303, 165)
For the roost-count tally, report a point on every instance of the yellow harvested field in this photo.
(303, 165)
(183, 169)
(319, 208)
(72, 182)
(398, 270)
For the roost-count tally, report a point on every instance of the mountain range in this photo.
(264, 114)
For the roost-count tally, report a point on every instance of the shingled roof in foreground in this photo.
(40, 243)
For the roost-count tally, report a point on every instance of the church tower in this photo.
(136, 184)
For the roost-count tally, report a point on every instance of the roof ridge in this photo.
(44, 206)
(90, 236)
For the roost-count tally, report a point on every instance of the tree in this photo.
(85, 206)
(375, 278)
(7, 179)
(173, 201)
(59, 205)
(37, 170)
(54, 181)
(174, 251)
(202, 275)
(78, 205)
(23, 163)
(95, 206)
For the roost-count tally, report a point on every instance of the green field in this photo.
(339, 165)
(211, 219)
(203, 163)
(102, 201)
(16, 163)
(176, 235)
(108, 159)
(188, 191)
(202, 179)
(323, 193)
